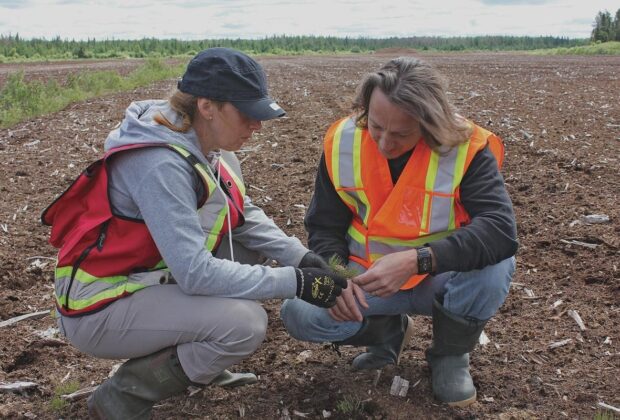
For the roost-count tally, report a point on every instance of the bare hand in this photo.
(346, 308)
(387, 275)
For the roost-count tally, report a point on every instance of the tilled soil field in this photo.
(560, 120)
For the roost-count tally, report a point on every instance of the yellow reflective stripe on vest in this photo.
(214, 234)
(347, 167)
(357, 174)
(384, 246)
(459, 172)
(86, 278)
(234, 176)
(161, 265)
(431, 174)
(79, 304)
(198, 167)
(87, 289)
(217, 224)
(357, 242)
(336, 167)
(444, 175)
(380, 245)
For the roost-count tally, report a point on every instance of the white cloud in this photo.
(193, 19)
(14, 4)
(515, 2)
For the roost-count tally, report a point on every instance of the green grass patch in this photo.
(21, 100)
(353, 407)
(57, 404)
(599, 48)
(350, 406)
(605, 415)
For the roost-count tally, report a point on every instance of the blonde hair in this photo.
(186, 105)
(419, 90)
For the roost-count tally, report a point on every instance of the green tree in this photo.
(603, 27)
(617, 26)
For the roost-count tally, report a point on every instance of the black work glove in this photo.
(312, 259)
(318, 286)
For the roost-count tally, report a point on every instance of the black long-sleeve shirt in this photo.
(490, 237)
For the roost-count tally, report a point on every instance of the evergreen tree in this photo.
(603, 30)
(616, 26)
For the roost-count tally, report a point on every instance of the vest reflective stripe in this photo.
(347, 140)
(380, 246)
(83, 297)
(197, 166)
(356, 238)
(113, 257)
(443, 177)
(211, 218)
(215, 221)
(422, 207)
(83, 277)
(238, 181)
(216, 209)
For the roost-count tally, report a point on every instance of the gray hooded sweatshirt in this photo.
(157, 185)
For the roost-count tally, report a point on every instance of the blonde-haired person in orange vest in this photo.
(409, 194)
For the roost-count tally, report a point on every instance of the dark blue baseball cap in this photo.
(228, 75)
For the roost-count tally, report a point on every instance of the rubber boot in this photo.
(385, 336)
(138, 385)
(227, 379)
(454, 337)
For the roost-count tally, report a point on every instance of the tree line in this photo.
(13, 47)
(606, 28)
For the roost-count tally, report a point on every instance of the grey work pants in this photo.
(210, 333)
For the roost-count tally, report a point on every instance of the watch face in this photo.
(425, 261)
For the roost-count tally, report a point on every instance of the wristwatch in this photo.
(425, 260)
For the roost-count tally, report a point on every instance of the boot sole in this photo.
(463, 403)
(408, 334)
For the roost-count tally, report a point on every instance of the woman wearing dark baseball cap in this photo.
(160, 247)
(226, 75)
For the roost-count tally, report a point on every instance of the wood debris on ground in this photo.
(561, 343)
(34, 315)
(579, 243)
(399, 387)
(17, 386)
(483, 340)
(609, 407)
(593, 219)
(79, 394)
(575, 315)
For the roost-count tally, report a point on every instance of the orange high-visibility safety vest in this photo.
(424, 205)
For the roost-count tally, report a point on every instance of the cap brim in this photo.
(261, 109)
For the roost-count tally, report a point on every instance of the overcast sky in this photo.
(194, 19)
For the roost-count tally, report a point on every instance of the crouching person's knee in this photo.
(497, 281)
(290, 316)
(252, 326)
(307, 322)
